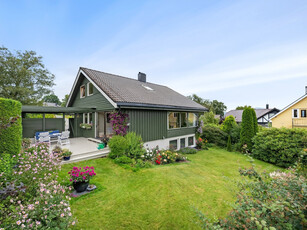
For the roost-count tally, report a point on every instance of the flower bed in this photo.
(30, 195)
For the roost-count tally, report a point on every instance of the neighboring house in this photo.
(160, 115)
(263, 115)
(292, 116)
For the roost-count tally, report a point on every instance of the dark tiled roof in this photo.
(130, 91)
(238, 113)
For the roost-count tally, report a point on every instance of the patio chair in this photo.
(64, 138)
(44, 137)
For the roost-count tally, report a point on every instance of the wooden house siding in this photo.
(180, 132)
(96, 100)
(151, 125)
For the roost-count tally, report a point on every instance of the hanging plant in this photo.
(119, 122)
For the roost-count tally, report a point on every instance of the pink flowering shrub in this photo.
(78, 175)
(31, 197)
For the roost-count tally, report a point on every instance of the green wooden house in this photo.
(160, 115)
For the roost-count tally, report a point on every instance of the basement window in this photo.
(82, 91)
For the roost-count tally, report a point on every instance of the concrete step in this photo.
(87, 156)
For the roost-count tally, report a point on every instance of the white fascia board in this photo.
(293, 103)
(98, 88)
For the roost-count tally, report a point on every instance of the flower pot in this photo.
(80, 186)
(66, 158)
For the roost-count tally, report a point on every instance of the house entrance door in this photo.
(104, 125)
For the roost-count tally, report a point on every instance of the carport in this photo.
(32, 125)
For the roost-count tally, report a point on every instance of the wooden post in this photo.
(105, 123)
(44, 122)
(63, 123)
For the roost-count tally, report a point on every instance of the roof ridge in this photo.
(122, 76)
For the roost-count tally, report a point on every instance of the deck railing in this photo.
(299, 122)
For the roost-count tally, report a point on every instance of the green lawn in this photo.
(163, 197)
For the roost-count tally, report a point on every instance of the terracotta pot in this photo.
(80, 186)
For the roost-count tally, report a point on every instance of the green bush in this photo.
(269, 201)
(10, 126)
(249, 129)
(235, 134)
(279, 146)
(118, 145)
(123, 160)
(228, 124)
(188, 150)
(229, 146)
(135, 145)
(214, 135)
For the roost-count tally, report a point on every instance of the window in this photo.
(90, 89)
(303, 113)
(191, 141)
(173, 120)
(295, 113)
(173, 144)
(82, 91)
(182, 143)
(192, 119)
(88, 118)
(183, 120)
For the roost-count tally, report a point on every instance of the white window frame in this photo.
(84, 91)
(87, 121)
(298, 113)
(88, 90)
(187, 115)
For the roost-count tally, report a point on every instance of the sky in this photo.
(238, 52)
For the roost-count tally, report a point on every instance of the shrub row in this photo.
(279, 146)
(10, 126)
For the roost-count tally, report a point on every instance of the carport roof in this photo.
(49, 109)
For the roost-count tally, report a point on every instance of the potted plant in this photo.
(66, 154)
(81, 177)
(105, 140)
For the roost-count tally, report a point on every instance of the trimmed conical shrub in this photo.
(249, 127)
(229, 146)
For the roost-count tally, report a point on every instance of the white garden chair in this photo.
(44, 137)
(64, 138)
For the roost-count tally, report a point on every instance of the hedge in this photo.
(214, 135)
(11, 128)
(279, 146)
(249, 129)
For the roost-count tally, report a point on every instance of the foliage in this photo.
(118, 146)
(188, 150)
(123, 160)
(57, 149)
(26, 142)
(66, 153)
(64, 100)
(214, 135)
(229, 124)
(11, 134)
(135, 145)
(77, 174)
(167, 157)
(52, 98)
(215, 106)
(119, 122)
(235, 134)
(243, 107)
(279, 146)
(85, 126)
(39, 115)
(23, 76)
(269, 201)
(30, 195)
(248, 128)
(229, 146)
(208, 118)
(201, 143)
